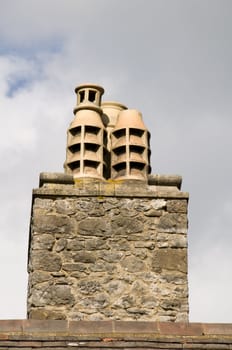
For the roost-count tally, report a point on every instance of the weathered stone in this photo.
(140, 253)
(75, 244)
(60, 244)
(98, 267)
(125, 302)
(97, 210)
(39, 277)
(123, 226)
(80, 215)
(170, 304)
(173, 223)
(108, 257)
(110, 204)
(84, 257)
(46, 261)
(86, 205)
(153, 212)
(93, 227)
(65, 206)
(45, 241)
(90, 304)
(96, 244)
(116, 287)
(53, 223)
(59, 295)
(43, 203)
(170, 259)
(178, 241)
(137, 310)
(78, 275)
(174, 277)
(133, 264)
(103, 266)
(171, 241)
(74, 267)
(89, 287)
(58, 274)
(149, 301)
(149, 245)
(142, 205)
(44, 314)
(120, 244)
(177, 206)
(158, 203)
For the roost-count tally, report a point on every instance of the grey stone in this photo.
(125, 302)
(153, 212)
(89, 287)
(84, 257)
(177, 206)
(44, 314)
(74, 267)
(98, 210)
(80, 215)
(149, 245)
(110, 256)
(45, 241)
(59, 295)
(170, 259)
(93, 227)
(43, 203)
(75, 244)
(158, 203)
(86, 205)
(133, 264)
(39, 277)
(95, 244)
(98, 267)
(46, 261)
(170, 304)
(137, 310)
(65, 206)
(173, 223)
(122, 225)
(53, 223)
(60, 244)
(116, 287)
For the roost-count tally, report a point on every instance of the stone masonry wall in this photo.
(98, 257)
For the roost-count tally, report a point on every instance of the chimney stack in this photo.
(108, 240)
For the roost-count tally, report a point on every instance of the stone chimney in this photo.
(107, 239)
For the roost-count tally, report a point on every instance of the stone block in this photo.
(45, 261)
(92, 227)
(170, 259)
(123, 226)
(53, 223)
(44, 242)
(173, 223)
(177, 206)
(133, 264)
(84, 257)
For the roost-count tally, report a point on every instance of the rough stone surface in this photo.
(107, 257)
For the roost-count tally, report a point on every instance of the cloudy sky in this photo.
(170, 59)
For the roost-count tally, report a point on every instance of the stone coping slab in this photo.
(153, 179)
(134, 329)
(112, 335)
(91, 187)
